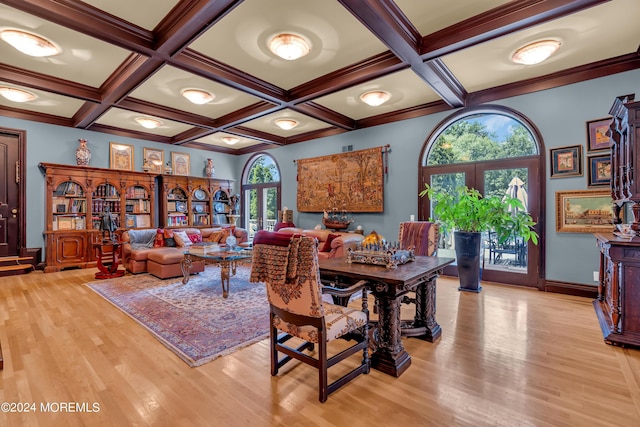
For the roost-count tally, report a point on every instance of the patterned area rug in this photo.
(193, 320)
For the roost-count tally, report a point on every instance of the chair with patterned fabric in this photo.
(422, 237)
(288, 265)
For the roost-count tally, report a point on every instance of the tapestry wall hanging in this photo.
(351, 181)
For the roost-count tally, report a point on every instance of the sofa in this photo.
(159, 251)
(331, 244)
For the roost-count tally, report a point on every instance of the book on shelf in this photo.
(143, 221)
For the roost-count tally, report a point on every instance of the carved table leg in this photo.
(425, 325)
(185, 266)
(225, 276)
(390, 356)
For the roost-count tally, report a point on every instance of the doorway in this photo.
(260, 194)
(12, 197)
(496, 151)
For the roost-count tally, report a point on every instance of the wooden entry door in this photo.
(11, 202)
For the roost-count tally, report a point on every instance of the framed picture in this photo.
(566, 161)
(597, 137)
(599, 173)
(181, 163)
(155, 159)
(121, 156)
(583, 211)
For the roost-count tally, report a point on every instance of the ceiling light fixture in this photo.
(375, 98)
(29, 44)
(286, 124)
(536, 52)
(198, 96)
(148, 122)
(230, 140)
(16, 95)
(289, 46)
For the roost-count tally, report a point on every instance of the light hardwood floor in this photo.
(507, 357)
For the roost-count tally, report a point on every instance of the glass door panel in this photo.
(446, 182)
(511, 254)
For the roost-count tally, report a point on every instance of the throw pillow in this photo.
(214, 237)
(168, 234)
(170, 242)
(327, 244)
(182, 239)
(195, 238)
(159, 242)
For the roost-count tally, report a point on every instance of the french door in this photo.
(512, 262)
(261, 203)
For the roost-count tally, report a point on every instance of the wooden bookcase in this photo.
(193, 201)
(75, 196)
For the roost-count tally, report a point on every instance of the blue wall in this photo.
(560, 115)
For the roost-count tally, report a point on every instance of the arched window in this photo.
(495, 150)
(260, 193)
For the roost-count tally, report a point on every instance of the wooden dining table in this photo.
(389, 286)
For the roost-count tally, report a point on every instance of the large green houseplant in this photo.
(467, 213)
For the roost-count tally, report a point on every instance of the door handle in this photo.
(14, 211)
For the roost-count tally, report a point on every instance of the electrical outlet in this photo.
(596, 276)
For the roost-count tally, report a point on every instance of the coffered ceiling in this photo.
(123, 59)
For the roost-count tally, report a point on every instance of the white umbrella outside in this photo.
(517, 191)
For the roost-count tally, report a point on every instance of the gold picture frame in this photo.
(584, 211)
(155, 159)
(181, 163)
(120, 156)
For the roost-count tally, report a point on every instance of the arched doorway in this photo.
(261, 192)
(497, 151)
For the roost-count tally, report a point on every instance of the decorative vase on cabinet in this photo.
(83, 154)
(210, 170)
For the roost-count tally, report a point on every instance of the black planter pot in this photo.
(468, 256)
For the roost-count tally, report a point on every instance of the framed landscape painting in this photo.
(566, 161)
(597, 135)
(583, 211)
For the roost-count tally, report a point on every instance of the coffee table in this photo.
(227, 259)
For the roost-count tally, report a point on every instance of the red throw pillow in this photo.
(327, 244)
(159, 242)
(195, 238)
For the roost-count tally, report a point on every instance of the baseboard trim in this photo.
(576, 289)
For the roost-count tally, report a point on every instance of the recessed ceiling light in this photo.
(230, 140)
(148, 122)
(536, 52)
(289, 46)
(198, 96)
(29, 44)
(375, 98)
(286, 124)
(16, 95)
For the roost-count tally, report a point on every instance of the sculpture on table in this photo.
(108, 225)
(235, 204)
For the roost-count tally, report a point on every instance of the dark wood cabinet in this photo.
(75, 197)
(618, 303)
(625, 158)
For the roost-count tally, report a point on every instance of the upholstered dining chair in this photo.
(299, 318)
(422, 237)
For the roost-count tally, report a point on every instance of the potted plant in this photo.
(467, 213)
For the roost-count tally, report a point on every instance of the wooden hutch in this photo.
(193, 201)
(76, 196)
(618, 302)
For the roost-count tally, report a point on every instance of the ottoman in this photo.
(165, 263)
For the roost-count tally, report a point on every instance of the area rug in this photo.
(193, 320)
